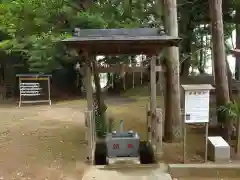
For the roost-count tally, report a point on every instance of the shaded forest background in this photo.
(31, 30)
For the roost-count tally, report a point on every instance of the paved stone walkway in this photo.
(97, 174)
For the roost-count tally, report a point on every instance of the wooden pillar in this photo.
(88, 84)
(89, 113)
(162, 89)
(153, 84)
(159, 133)
(123, 76)
(149, 133)
(153, 98)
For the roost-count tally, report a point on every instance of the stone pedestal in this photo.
(218, 149)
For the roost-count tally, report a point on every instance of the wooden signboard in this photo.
(196, 106)
(34, 88)
(196, 110)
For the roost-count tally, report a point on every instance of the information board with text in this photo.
(197, 106)
(34, 89)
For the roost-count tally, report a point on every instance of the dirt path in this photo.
(44, 142)
(41, 142)
(196, 178)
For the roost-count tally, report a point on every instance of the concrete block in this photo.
(218, 149)
(205, 170)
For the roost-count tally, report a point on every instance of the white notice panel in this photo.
(30, 89)
(34, 88)
(196, 106)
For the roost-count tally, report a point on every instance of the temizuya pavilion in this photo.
(147, 41)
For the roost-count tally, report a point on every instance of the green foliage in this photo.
(101, 126)
(27, 25)
(232, 109)
(36, 28)
(87, 20)
(126, 14)
(111, 123)
(104, 125)
(44, 52)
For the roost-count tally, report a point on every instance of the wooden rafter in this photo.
(127, 69)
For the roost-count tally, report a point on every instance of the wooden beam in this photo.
(88, 83)
(153, 98)
(128, 69)
(153, 84)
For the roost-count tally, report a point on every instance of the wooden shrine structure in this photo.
(147, 41)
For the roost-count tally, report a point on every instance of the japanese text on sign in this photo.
(130, 146)
(196, 106)
(30, 89)
(115, 146)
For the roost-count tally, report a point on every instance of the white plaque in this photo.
(30, 89)
(196, 106)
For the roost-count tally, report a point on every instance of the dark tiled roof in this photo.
(118, 32)
(121, 41)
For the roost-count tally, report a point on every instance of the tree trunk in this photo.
(186, 30)
(186, 64)
(237, 66)
(84, 4)
(229, 75)
(202, 57)
(220, 69)
(172, 130)
(100, 100)
(88, 83)
(237, 72)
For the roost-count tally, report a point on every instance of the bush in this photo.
(111, 123)
(104, 125)
(101, 127)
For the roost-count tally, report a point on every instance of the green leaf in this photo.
(232, 109)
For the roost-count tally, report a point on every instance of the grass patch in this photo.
(137, 92)
(133, 114)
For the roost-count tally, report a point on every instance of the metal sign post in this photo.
(34, 88)
(196, 111)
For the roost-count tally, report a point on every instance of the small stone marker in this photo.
(218, 149)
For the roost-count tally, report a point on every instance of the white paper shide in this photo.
(197, 106)
(30, 89)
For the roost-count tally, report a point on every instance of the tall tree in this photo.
(237, 18)
(173, 111)
(36, 28)
(220, 68)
